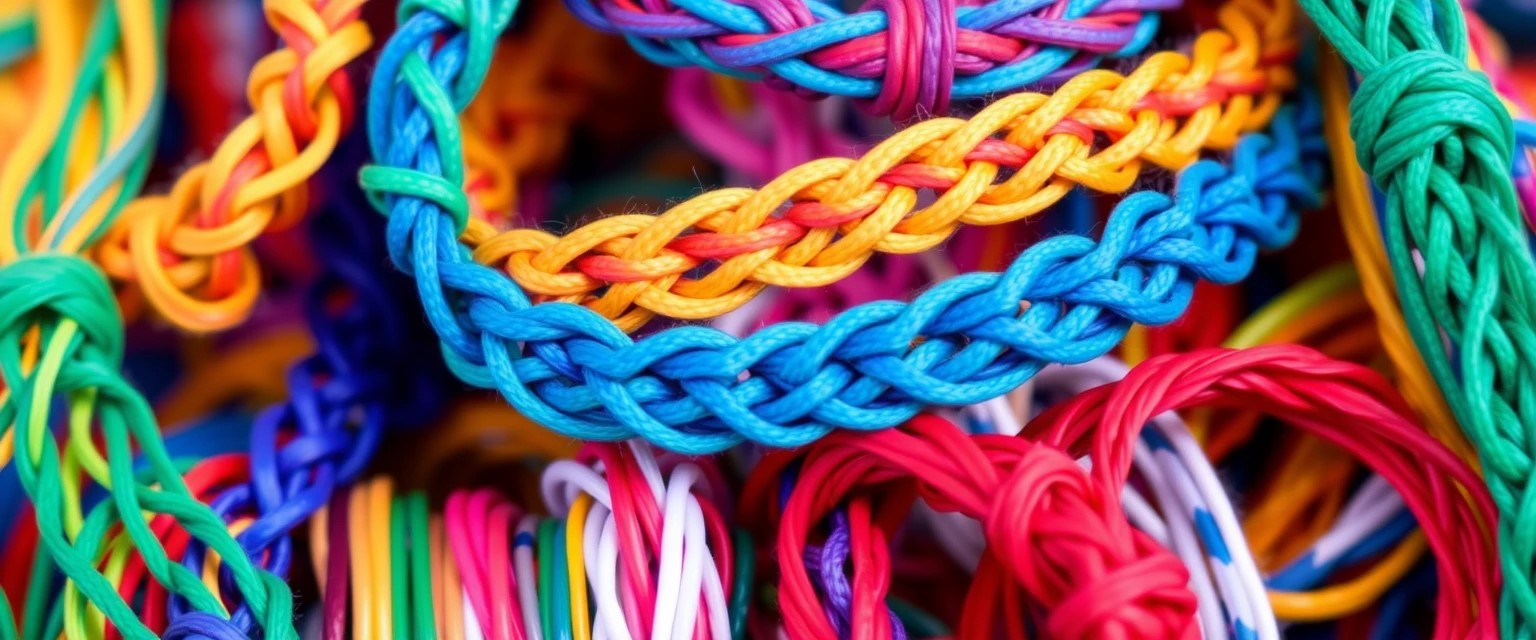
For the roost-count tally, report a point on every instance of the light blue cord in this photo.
(684, 388)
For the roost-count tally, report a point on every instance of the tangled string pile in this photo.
(697, 390)
(902, 58)
(188, 251)
(1017, 157)
(1438, 142)
(1051, 530)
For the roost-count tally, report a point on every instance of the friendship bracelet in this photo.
(340, 399)
(59, 187)
(838, 212)
(255, 181)
(1449, 199)
(899, 59)
(695, 390)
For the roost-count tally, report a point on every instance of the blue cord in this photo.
(697, 390)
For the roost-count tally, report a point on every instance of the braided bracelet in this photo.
(61, 337)
(899, 58)
(1015, 158)
(697, 390)
(1445, 171)
(256, 180)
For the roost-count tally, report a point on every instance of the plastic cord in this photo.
(696, 390)
(902, 58)
(1478, 280)
(1015, 158)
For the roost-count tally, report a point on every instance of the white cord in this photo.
(527, 584)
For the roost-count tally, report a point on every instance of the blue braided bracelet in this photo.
(697, 390)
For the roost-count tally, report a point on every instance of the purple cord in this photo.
(826, 563)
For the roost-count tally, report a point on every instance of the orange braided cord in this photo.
(188, 252)
(839, 211)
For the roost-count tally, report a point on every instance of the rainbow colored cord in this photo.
(903, 57)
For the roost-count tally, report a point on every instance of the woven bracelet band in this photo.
(900, 57)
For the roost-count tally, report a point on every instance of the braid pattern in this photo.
(257, 180)
(902, 58)
(363, 378)
(820, 222)
(1434, 136)
(698, 390)
(68, 301)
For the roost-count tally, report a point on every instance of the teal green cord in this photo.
(1435, 138)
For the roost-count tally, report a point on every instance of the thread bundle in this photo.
(613, 319)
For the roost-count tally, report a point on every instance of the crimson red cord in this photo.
(1057, 540)
(1344, 403)
(1058, 537)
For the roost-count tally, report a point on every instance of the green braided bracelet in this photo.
(1433, 135)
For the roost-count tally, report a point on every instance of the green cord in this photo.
(71, 301)
(422, 613)
(1435, 138)
(741, 582)
(560, 605)
(546, 570)
(399, 574)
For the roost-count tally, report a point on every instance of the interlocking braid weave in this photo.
(70, 303)
(1017, 157)
(256, 180)
(364, 377)
(698, 390)
(901, 57)
(1433, 135)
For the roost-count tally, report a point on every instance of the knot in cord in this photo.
(45, 288)
(1426, 105)
(919, 57)
(1067, 542)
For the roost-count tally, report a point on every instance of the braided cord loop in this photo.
(820, 222)
(341, 399)
(257, 180)
(899, 57)
(61, 336)
(699, 390)
(69, 306)
(1434, 136)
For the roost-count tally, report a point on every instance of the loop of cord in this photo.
(697, 390)
(1434, 137)
(362, 380)
(1344, 403)
(1056, 538)
(976, 475)
(188, 251)
(820, 222)
(901, 58)
(68, 302)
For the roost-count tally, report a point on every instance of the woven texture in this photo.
(697, 390)
(1436, 139)
(820, 222)
(257, 180)
(902, 57)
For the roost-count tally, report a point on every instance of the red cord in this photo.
(1344, 403)
(1062, 557)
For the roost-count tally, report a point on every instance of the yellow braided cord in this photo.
(840, 211)
(256, 180)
